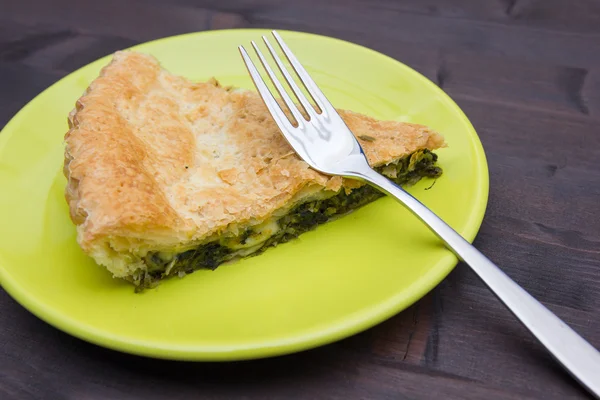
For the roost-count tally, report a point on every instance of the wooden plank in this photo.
(19, 85)
(590, 93)
(542, 166)
(480, 339)
(404, 339)
(582, 16)
(489, 38)
(129, 19)
(73, 52)
(527, 85)
(485, 38)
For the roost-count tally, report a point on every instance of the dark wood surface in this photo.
(526, 72)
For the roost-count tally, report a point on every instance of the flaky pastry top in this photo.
(154, 160)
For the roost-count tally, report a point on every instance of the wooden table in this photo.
(526, 72)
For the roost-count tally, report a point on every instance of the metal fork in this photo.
(327, 145)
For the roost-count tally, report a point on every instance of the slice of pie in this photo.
(167, 176)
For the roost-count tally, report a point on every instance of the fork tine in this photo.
(295, 89)
(286, 98)
(312, 88)
(278, 115)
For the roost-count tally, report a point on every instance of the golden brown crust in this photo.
(153, 159)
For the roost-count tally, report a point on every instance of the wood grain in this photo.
(526, 72)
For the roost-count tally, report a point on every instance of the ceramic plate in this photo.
(335, 281)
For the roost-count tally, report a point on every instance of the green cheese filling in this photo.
(302, 218)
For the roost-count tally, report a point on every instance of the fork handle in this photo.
(579, 357)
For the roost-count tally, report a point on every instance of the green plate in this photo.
(342, 278)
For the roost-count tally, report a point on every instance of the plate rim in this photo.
(338, 331)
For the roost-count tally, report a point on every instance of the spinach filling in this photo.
(304, 217)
